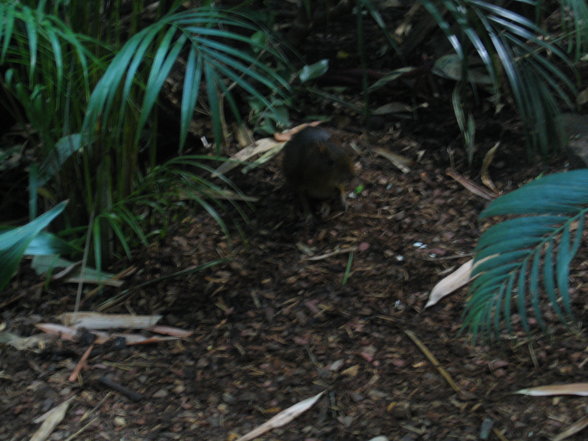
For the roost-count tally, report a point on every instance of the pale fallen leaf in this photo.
(265, 157)
(258, 147)
(582, 97)
(401, 162)
(96, 320)
(70, 333)
(282, 418)
(393, 107)
(485, 171)
(453, 281)
(286, 135)
(471, 186)
(50, 420)
(170, 330)
(137, 339)
(450, 283)
(64, 332)
(578, 426)
(31, 343)
(580, 389)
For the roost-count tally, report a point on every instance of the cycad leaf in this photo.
(549, 195)
(522, 297)
(534, 287)
(530, 255)
(562, 265)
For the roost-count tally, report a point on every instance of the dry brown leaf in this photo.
(485, 173)
(81, 364)
(64, 332)
(578, 426)
(286, 135)
(170, 330)
(471, 186)
(282, 418)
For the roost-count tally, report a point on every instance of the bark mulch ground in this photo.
(282, 320)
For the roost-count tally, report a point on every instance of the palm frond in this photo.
(529, 257)
(574, 15)
(510, 44)
(15, 243)
(212, 59)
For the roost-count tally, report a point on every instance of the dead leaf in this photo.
(282, 418)
(288, 134)
(454, 281)
(170, 330)
(580, 389)
(401, 162)
(50, 420)
(258, 147)
(471, 186)
(64, 332)
(394, 107)
(32, 343)
(96, 320)
(81, 364)
(450, 283)
(484, 173)
(578, 426)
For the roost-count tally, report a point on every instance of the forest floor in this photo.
(276, 322)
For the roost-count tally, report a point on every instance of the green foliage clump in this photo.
(88, 83)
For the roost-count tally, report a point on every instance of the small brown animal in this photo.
(316, 167)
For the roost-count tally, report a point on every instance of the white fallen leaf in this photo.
(282, 418)
(50, 419)
(96, 320)
(454, 281)
(450, 283)
(580, 389)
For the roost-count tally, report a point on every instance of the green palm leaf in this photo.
(16, 242)
(210, 38)
(508, 42)
(529, 257)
